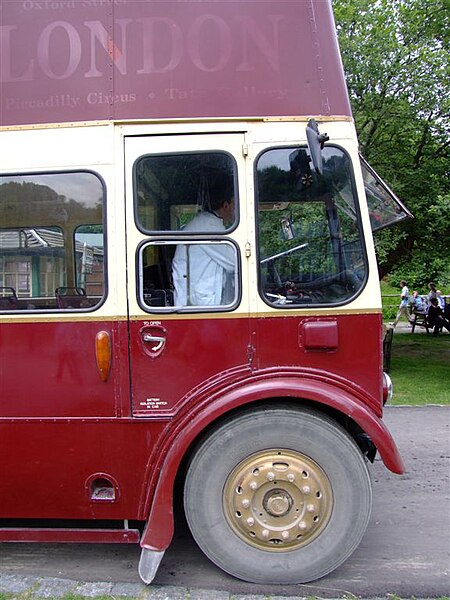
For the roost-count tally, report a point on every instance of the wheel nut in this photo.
(291, 477)
(306, 489)
(310, 508)
(285, 535)
(245, 503)
(270, 476)
(253, 485)
(265, 533)
(250, 521)
(302, 525)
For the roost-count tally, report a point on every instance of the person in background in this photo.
(441, 299)
(433, 292)
(447, 311)
(404, 300)
(436, 317)
(418, 304)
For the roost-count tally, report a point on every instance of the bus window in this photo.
(51, 241)
(190, 194)
(189, 275)
(310, 245)
(172, 188)
(385, 208)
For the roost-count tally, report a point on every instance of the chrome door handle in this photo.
(159, 341)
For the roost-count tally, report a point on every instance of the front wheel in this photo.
(278, 495)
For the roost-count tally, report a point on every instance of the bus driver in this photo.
(203, 273)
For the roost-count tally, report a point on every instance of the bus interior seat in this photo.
(71, 297)
(158, 297)
(157, 280)
(8, 298)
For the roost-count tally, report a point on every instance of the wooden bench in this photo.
(419, 320)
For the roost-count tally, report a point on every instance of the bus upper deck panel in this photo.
(71, 61)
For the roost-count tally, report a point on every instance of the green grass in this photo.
(420, 368)
(162, 594)
(420, 363)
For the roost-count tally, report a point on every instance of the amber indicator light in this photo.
(103, 353)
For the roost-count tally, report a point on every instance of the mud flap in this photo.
(148, 564)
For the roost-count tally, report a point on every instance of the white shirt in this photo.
(404, 296)
(200, 270)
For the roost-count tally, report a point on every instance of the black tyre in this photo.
(278, 495)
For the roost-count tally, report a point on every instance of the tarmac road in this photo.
(405, 550)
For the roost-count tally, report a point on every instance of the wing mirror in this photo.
(316, 141)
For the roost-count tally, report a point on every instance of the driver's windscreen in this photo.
(310, 241)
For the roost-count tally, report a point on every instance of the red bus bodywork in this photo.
(77, 445)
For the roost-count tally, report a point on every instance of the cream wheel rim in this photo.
(277, 500)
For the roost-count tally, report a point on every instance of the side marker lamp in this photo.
(103, 354)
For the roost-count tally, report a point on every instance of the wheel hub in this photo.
(277, 500)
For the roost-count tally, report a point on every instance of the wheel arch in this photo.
(341, 404)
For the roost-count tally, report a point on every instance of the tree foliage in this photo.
(396, 56)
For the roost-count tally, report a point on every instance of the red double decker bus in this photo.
(189, 298)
